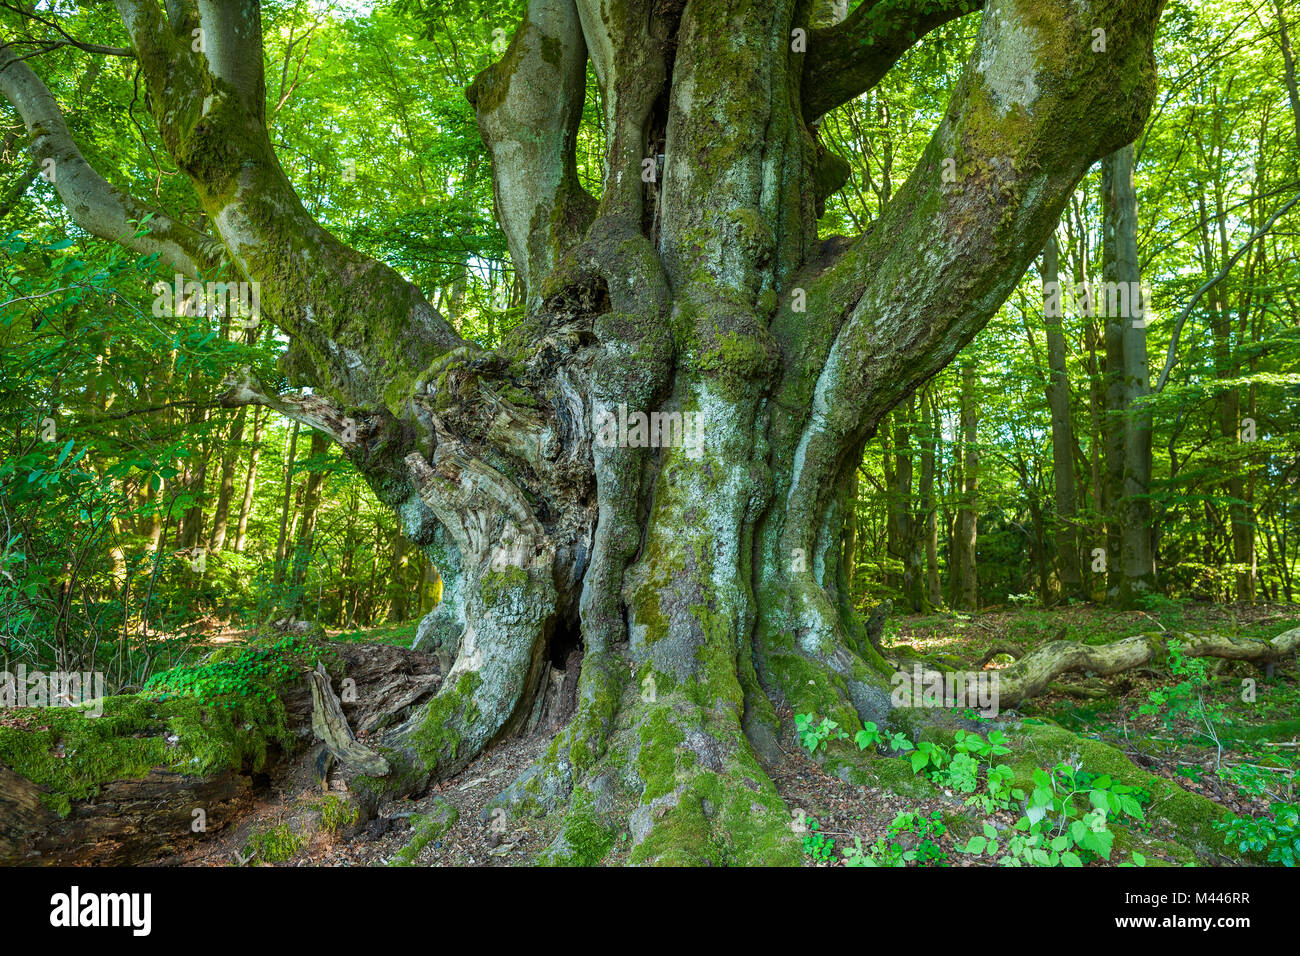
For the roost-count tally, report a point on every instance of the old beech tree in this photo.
(705, 592)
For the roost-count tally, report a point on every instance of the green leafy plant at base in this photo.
(814, 735)
(274, 845)
(1276, 836)
(1055, 830)
(817, 845)
(1188, 699)
(338, 814)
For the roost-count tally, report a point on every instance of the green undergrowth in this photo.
(1076, 800)
(426, 827)
(400, 634)
(256, 669)
(222, 714)
(273, 845)
(338, 814)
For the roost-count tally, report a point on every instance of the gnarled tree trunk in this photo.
(701, 580)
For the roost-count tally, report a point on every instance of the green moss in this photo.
(274, 845)
(497, 583)
(657, 759)
(600, 688)
(428, 827)
(72, 754)
(446, 718)
(812, 689)
(585, 838)
(720, 820)
(338, 814)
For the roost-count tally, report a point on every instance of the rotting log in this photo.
(155, 812)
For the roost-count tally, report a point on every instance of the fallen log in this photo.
(158, 771)
(1036, 671)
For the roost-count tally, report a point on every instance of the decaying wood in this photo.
(150, 818)
(1036, 671)
(331, 727)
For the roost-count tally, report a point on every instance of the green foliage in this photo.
(1189, 699)
(255, 670)
(817, 845)
(338, 814)
(1065, 822)
(1277, 835)
(814, 735)
(274, 845)
(920, 847)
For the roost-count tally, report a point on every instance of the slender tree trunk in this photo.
(286, 502)
(966, 592)
(250, 479)
(929, 509)
(1128, 446)
(305, 543)
(221, 514)
(1058, 402)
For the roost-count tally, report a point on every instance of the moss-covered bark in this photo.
(704, 582)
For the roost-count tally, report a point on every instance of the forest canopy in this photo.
(656, 387)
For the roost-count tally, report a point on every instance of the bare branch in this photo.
(846, 60)
(1171, 357)
(96, 206)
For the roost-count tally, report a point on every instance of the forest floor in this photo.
(1265, 732)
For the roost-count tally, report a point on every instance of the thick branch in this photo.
(363, 332)
(94, 205)
(846, 60)
(529, 106)
(1024, 125)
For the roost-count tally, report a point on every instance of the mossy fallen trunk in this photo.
(158, 771)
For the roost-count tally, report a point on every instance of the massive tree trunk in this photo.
(695, 566)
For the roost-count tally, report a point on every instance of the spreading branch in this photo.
(846, 60)
(96, 206)
(1036, 671)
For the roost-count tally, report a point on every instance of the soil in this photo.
(844, 813)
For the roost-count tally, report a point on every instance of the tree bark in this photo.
(965, 591)
(1058, 402)
(1128, 374)
(697, 570)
